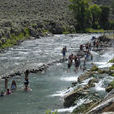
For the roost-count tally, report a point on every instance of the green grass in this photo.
(111, 61)
(50, 112)
(112, 83)
(13, 40)
(112, 67)
(66, 32)
(91, 30)
(94, 68)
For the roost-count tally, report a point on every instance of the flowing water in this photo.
(48, 88)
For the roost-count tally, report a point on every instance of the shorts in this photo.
(69, 65)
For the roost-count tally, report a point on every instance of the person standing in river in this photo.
(26, 73)
(13, 85)
(26, 82)
(77, 63)
(70, 59)
(81, 47)
(6, 83)
(64, 50)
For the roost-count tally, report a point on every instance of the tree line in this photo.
(89, 15)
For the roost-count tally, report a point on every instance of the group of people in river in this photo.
(14, 85)
(76, 58)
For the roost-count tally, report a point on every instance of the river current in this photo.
(48, 87)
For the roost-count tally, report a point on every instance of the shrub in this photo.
(112, 67)
(94, 68)
(111, 61)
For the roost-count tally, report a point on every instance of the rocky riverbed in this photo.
(95, 76)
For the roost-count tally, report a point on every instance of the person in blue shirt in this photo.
(64, 50)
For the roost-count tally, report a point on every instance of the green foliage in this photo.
(112, 7)
(94, 68)
(80, 10)
(50, 112)
(103, 21)
(95, 15)
(89, 15)
(0, 42)
(13, 40)
(111, 61)
(112, 74)
(112, 67)
(45, 32)
(111, 23)
(90, 30)
(100, 71)
(112, 83)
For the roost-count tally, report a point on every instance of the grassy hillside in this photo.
(20, 19)
(35, 9)
(20, 10)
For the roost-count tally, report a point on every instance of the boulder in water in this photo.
(85, 76)
(92, 81)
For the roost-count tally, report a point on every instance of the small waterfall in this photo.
(80, 102)
(99, 86)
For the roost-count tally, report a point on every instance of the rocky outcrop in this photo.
(92, 81)
(80, 92)
(85, 76)
(41, 68)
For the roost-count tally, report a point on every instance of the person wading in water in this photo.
(64, 50)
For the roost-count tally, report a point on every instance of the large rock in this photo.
(92, 81)
(71, 97)
(109, 88)
(85, 76)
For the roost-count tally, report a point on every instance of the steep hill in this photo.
(35, 9)
(39, 10)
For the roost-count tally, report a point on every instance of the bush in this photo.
(94, 68)
(112, 83)
(13, 40)
(111, 23)
(90, 30)
(111, 61)
(112, 67)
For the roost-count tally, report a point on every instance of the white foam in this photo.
(105, 65)
(98, 86)
(80, 102)
(62, 93)
(86, 81)
(59, 64)
(94, 53)
(69, 78)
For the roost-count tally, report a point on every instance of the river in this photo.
(47, 87)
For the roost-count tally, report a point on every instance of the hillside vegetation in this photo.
(35, 10)
(21, 18)
(41, 10)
